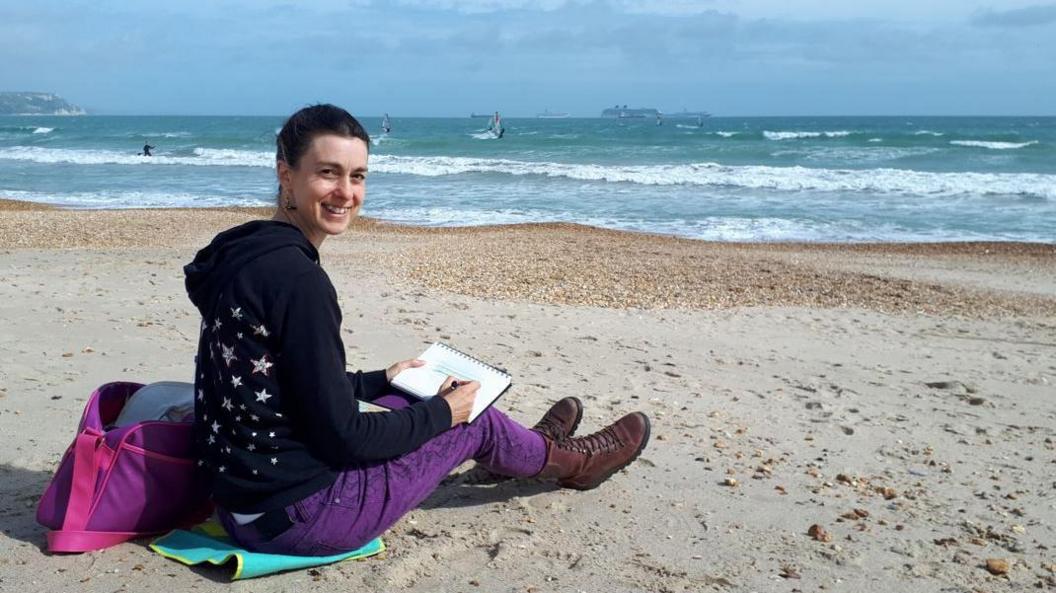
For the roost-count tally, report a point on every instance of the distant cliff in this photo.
(36, 104)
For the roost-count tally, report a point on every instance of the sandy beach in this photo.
(898, 396)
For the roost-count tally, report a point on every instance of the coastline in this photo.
(931, 247)
(564, 263)
(897, 395)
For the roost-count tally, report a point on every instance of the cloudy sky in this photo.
(448, 57)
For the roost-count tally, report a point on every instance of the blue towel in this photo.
(209, 543)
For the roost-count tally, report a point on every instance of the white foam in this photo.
(170, 134)
(879, 180)
(25, 129)
(927, 133)
(875, 180)
(133, 199)
(247, 158)
(993, 145)
(727, 134)
(216, 157)
(799, 135)
(859, 156)
(448, 216)
(712, 228)
(875, 140)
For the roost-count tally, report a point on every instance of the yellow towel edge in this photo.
(188, 562)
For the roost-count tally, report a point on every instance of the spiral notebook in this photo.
(443, 361)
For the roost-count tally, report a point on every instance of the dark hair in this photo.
(302, 127)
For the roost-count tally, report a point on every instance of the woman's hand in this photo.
(459, 396)
(395, 369)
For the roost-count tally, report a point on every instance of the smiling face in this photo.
(327, 186)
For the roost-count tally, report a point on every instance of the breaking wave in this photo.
(134, 199)
(799, 135)
(219, 157)
(993, 145)
(712, 228)
(792, 178)
(898, 181)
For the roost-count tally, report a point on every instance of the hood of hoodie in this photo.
(215, 265)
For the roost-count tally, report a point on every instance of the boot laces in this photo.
(603, 441)
(549, 427)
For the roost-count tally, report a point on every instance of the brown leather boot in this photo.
(561, 420)
(584, 462)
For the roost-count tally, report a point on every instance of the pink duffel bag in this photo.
(123, 483)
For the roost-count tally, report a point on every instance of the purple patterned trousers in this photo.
(367, 499)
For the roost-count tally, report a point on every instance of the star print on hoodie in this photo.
(277, 412)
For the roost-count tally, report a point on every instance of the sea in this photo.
(831, 179)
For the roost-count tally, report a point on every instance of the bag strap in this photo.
(89, 456)
(63, 540)
(85, 474)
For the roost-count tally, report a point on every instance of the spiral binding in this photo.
(487, 366)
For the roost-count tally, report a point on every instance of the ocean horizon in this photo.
(831, 179)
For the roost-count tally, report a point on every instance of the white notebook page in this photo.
(441, 362)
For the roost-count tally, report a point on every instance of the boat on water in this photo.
(547, 114)
(495, 126)
(629, 113)
(624, 112)
(688, 114)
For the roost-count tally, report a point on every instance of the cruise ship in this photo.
(625, 112)
(629, 113)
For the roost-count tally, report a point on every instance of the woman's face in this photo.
(327, 187)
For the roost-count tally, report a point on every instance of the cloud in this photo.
(1041, 14)
(484, 6)
(667, 7)
(443, 56)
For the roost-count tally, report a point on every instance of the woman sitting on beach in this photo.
(295, 467)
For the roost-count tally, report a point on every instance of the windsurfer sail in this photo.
(495, 125)
(386, 126)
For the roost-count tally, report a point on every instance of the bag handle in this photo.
(85, 474)
(89, 454)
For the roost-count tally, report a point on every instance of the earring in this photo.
(289, 204)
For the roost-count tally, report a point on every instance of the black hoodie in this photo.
(276, 412)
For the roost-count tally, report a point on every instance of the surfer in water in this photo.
(146, 150)
(386, 127)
